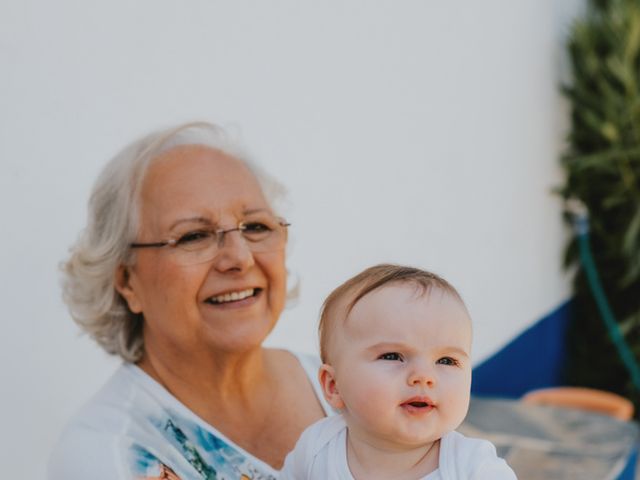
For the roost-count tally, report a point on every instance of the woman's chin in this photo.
(238, 337)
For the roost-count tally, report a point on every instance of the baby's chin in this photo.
(412, 441)
(424, 442)
(418, 439)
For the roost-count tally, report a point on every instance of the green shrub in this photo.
(602, 167)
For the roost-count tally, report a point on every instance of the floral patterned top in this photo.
(133, 428)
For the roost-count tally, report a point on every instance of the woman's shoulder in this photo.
(108, 408)
(134, 428)
(82, 452)
(310, 364)
(89, 444)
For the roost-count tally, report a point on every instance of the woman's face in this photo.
(190, 308)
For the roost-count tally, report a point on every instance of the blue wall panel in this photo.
(534, 359)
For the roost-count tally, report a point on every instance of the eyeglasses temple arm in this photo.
(148, 245)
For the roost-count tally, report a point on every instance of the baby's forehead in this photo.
(401, 294)
(402, 311)
(402, 316)
(369, 292)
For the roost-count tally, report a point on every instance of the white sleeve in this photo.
(80, 455)
(293, 468)
(485, 463)
(494, 469)
(298, 461)
(472, 459)
(309, 459)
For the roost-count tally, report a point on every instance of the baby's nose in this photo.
(422, 376)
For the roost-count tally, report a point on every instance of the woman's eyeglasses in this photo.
(203, 244)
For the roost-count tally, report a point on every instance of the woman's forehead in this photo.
(186, 160)
(193, 180)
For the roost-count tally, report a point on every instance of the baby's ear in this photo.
(327, 378)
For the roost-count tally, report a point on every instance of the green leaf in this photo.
(633, 37)
(630, 323)
(632, 274)
(631, 239)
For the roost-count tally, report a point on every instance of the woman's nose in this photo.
(233, 252)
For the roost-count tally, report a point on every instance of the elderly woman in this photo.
(181, 272)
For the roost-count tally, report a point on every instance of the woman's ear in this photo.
(327, 378)
(122, 284)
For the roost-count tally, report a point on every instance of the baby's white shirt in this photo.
(321, 454)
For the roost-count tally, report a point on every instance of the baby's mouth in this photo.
(235, 296)
(418, 404)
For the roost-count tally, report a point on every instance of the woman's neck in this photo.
(207, 381)
(261, 400)
(374, 460)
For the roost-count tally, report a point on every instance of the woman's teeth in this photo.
(232, 296)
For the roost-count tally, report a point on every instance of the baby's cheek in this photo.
(372, 400)
(459, 406)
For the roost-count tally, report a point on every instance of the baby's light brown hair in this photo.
(341, 301)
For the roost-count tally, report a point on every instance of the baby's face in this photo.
(401, 366)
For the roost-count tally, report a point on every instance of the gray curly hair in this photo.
(89, 272)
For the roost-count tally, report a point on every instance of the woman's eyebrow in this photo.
(255, 210)
(208, 222)
(198, 219)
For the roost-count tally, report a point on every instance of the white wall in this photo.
(419, 132)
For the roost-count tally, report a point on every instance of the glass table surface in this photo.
(548, 443)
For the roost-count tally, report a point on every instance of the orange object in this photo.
(590, 399)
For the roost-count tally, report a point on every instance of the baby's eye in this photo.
(448, 361)
(391, 356)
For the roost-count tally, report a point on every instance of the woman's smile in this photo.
(233, 296)
(236, 298)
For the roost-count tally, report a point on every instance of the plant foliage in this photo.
(602, 168)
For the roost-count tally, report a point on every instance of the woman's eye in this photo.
(256, 231)
(448, 361)
(193, 237)
(256, 227)
(392, 356)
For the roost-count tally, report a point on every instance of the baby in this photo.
(395, 344)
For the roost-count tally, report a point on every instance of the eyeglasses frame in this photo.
(221, 232)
